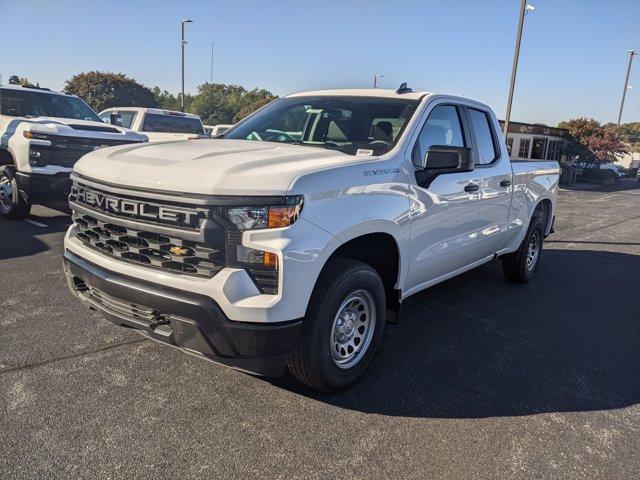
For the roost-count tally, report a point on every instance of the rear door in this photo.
(494, 167)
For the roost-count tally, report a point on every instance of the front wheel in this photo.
(343, 326)
(521, 266)
(12, 205)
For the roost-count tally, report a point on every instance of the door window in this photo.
(441, 128)
(484, 136)
(127, 117)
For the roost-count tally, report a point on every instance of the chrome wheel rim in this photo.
(533, 250)
(6, 194)
(352, 329)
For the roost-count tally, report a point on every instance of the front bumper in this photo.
(192, 322)
(45, 189)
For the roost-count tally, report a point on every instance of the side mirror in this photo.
(115, 119)
(447, 159)
(444, 159)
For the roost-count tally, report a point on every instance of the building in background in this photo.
(528, 141)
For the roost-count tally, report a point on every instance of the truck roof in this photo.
(362, 92)
(156, 111)
(35, 89)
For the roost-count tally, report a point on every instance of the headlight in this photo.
(36, 135)
(38, 156)
(256, 218)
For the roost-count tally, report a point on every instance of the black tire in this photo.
(14, 207)
(518, 267)
(312, 361)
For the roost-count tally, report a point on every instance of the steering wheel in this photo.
(380, 142)
(278, 137)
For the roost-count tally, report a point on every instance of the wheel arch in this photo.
(381, 250)
(545, 208)
(6, 157)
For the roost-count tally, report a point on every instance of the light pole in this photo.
(182, 44)
(375, 80)
(631, 53)
(524, 8)
(211, 78)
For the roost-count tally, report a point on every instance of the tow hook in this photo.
(159, 319)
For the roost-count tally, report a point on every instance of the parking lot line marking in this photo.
(37, 224)
(72, 355)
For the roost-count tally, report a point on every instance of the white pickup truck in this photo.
(42, 135)
(157, 124)
(294, 237)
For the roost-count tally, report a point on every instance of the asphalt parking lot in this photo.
(481, 378)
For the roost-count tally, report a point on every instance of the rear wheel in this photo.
(521, 266)
(343, 326)
(12, 205)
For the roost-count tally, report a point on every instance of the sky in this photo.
(572, 63)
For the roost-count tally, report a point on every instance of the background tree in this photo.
(16, 80)
(592, 142)
(104, 90)
(169, 101)
(219, 103)
(250, 108)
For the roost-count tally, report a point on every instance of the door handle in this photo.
(472, 187)
(505, 183)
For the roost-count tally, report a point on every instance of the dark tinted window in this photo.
(484, 137)
(353, 125)
(31, 103)
(171, 124)
(441, 128)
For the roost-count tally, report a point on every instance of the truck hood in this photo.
(166, 137)
(78, 128)
(209, 166)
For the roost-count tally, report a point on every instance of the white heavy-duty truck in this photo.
(292, 239)
(43, 134)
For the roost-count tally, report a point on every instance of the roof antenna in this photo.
(403, 88)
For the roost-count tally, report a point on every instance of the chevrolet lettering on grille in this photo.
(135, 208)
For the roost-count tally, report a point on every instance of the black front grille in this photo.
(148, 248)
(184, 236)
(66, 151)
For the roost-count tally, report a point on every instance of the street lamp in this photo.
(375, 80)
(631, 53)
(182, 44)
(524, 9)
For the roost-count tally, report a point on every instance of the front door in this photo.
(444, 213)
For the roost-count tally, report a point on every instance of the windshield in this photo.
(353, 125)
(172, 124)
(26, 103)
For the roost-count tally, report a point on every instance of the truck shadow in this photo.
(22, 239)
(477, 346)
